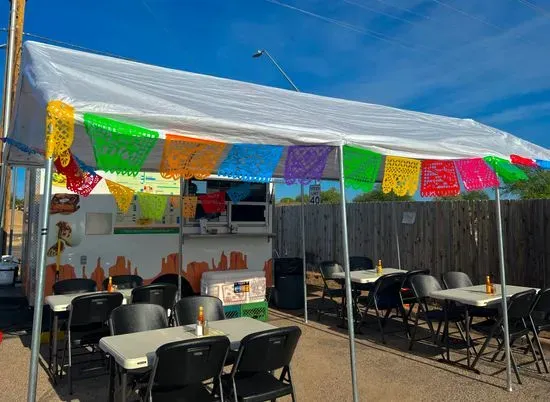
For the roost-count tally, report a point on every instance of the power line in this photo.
(342, 24)
(483, 21)
(72, 45)
(405, 10)
(364, 7)
(474, 17)
(535, 7)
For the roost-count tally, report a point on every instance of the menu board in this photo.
(131, 222)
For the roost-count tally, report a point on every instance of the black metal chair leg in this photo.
(483, 347)
(542, 357)
(515, 367)
(380, 326)
(322, 302)
(533, 353)
(413, 333)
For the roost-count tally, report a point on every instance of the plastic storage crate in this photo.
(257, 310)
(232, 311)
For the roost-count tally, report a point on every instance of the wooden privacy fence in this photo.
(445, 236)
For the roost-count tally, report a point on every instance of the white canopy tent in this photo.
(194, 105)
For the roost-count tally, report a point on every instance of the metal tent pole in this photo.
(40, 279)
(304, 263)
(395, 227)
(180, 243)
(12, 215)
(503, 290)
(6, 118)
(347, 281)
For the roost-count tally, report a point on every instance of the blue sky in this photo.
(486, 60)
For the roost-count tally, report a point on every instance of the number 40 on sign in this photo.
(315, 194)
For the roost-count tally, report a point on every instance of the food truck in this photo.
(90, 237)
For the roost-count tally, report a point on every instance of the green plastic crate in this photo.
(257, 310)
(232, 311)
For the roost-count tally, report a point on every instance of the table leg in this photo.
(446, 331)
(111, 379)
(123, 384)
(467, 318)
(50, 342)
(53, 335)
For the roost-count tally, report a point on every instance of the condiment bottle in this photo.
(488, 285)
(379, 268)
(200, 322)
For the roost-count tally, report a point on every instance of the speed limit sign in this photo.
(315, 194)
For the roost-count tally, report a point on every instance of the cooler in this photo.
(8, 272)
(234, 287)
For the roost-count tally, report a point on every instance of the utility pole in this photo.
(11, 77)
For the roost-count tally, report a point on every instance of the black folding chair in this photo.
(172, 279)
(456, 279)
(88, 324)
(124, 281)
(423, 286)
(251, 378)
(74, 286)
(182, 367)
(358, 263)
(130, 318)
(327, 269)
(540, 320)
(408, 298)
(162, 294)
(385, 296)
(186, 311)
(65, 287)
(519, 309)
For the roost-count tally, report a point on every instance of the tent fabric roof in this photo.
(194, 105)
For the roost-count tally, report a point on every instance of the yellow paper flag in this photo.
(123, 195)
(401, 175)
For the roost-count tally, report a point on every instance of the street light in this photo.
(260, 53)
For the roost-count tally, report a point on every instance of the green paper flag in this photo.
(119, 147)
(508, 172)
(361, 168)
(152, 206)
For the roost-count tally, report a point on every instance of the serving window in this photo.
(250, 211)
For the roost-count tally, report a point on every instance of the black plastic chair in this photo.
(519, 310)
(408, 299)
(540, 320)
(88, 324)
(182, 367)
(65, 287)
(130, 318)
(260, 354)
(327, 269)
(457, 279)
(162, 294)
(357, 263)
(423, 286)
(172, 279)
(385, 296)
(74, 286)
(124, 281)
(186, 311)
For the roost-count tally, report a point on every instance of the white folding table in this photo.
(474, 296)
(137, 350)
(60, 304)
(367, 276)
(363, 277)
